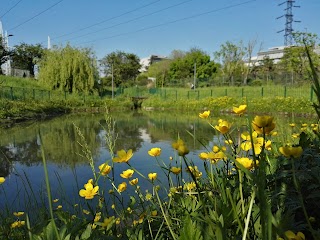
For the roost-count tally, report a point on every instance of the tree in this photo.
(183, 66)
(26, 56)
(123, 66)
(231, 56)
(69, 69)
(160, 71)
(267, 66)
(5, 53)
(295, 59)
(250, 66)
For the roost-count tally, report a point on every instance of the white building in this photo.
(6, 67)
(275, 54)
(148, 61)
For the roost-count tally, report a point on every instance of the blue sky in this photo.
(146, 27)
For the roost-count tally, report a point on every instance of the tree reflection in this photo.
(61, 140)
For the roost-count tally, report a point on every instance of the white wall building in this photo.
(146, 62)
(6, 67)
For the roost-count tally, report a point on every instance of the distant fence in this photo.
(24, 94)
(250, 92)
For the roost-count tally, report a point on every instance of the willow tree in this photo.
(69, 69)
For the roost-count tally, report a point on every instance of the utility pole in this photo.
(194, 76)
(112, 80)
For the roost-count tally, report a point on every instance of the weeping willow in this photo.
(69, 69)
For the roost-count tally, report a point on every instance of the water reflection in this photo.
(20, 153)
(61, 142)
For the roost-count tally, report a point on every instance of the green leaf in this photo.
(87, 233)
(190, 230)
(50, 231)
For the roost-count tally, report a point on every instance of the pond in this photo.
(21, 162)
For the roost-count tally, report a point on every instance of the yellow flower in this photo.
(203, 156)
(175, 170)
(89, 190)
(295, 135)
(122, 187)
(240, 110)
(177, 144)
(148, 196)
(215, 149)
(189, 186)
(263, 124)
(97, 217)
(213, 156)
(180, 147)
(292, 236)
(85, 211)
(246, 162)
(257, 142)
(129, 210)
(194, 171)
(134, 182)
(183, 150)
(123, 156)
(127, 173)
(288, 151)
(104, 169)
(246, 136)
(18, 224)
(154, 152)
(205, 114)
(107, 221)
(18, 214)
(228, 142)
(304, 125)
(267, 145)
(154, 213)
(223, 126)
(2, 180)
(59, 206)
(152, 176)
(292, 124)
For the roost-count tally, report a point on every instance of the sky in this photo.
(153, 27)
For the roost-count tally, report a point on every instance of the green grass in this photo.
(250, 92)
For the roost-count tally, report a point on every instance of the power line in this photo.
(10, 9)
(131, 20)
(171, 22)
(106, 20)
(28, 20)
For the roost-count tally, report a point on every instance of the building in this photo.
(6, 67)
(275, 54)
(148, 61)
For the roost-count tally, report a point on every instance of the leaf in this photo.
(87, 233)
(190, 230)
(50, 231)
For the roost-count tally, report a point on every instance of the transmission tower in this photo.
(288, 38)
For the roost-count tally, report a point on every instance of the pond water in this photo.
(21, 161)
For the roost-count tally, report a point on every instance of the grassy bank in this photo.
(23, 99)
